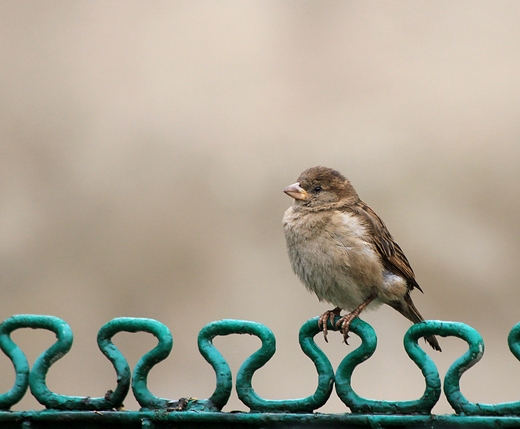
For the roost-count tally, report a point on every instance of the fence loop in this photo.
(368, 337)
(475, 351)
(244, 387)
(139, 379)
(323, 366)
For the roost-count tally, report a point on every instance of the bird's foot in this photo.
(326, 317)
(344, 325)
(344, 322)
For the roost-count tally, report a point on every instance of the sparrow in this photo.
(342, 251)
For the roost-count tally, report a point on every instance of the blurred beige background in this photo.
(144, 147)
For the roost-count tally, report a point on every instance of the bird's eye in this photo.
(317, 188)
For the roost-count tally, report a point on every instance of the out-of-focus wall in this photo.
(144, 147)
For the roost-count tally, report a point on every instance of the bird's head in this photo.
(320, 187)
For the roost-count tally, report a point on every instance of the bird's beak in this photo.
(296, 192)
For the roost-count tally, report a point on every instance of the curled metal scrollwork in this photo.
(35, 378)
(369, 341)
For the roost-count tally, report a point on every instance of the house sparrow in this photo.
(342, 251)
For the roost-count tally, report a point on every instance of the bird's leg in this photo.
(329, 315)
(344, 322)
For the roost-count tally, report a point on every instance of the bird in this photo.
(342, 251)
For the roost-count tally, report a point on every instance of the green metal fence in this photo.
(100, 412)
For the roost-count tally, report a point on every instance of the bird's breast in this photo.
(332, 256)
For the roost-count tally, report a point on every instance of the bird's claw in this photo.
(344, 326)
(322, 324)
(325, 318)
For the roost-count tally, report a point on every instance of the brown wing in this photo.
(391, 254)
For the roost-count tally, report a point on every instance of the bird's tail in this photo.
(408, 310)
